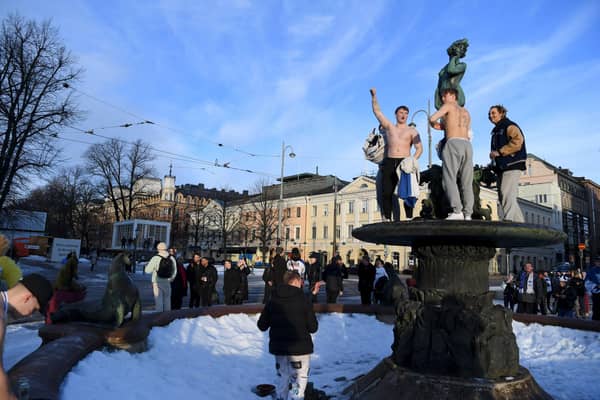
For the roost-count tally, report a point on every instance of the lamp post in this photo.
(428, 114)
(280, 205)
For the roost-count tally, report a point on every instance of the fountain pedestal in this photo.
(450, 331)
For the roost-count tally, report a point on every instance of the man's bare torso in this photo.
(399, 140)
(456, 121)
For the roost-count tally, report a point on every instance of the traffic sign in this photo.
(581, 246)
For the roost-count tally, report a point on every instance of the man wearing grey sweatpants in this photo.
(457, 155)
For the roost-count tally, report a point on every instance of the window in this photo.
(365, 207)
(287, 232)
(338, 209)
(298, 212)
(538, 219)
(351, 207)
(288, 212)
(545, 199)
(337, 232)
(350, 229)
(325, 232)
(314, 212)
(314, 232)
(326, 210)
(297, 233)
(253, 234)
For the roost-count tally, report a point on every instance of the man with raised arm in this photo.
(400, 137)
(457, 154)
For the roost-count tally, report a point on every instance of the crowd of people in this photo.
(572, 294)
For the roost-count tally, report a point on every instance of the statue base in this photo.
(390, 381)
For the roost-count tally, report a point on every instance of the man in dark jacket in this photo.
(291, 319)
(179, 284)
(232, 280)
(366, 279)
(244, 272)
(333, 277)
(565, 299)
(531, 290)
(207, 280)
(313, 273)
(192, 272)
(279, 267)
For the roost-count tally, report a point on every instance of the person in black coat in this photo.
(232, 279)
(333, 278)
(366, 279)
(244, 272)
(279, 267)
(313, 273)
(192, 272)
(179, 284)
(206, 279)
(291, 320)
(566, 296)
(267, 278)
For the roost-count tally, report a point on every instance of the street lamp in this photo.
(428, 114)
(280, 206)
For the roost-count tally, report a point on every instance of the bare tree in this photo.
(261, 215)
(35, 72)
(71, 202)
(122, 172)
(227, 218)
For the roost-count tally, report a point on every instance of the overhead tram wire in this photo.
(175, 156)
(147, 121)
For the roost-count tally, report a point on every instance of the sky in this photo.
(227, 82)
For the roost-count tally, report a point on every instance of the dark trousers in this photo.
(365, 297)
(389, 183)
(527, 308)
(509, 302)
(194, 298)
(332, 297)
(267, 295)
(205, 296)
(176, 301)
(596, 306)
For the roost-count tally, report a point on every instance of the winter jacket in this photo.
(154, 264)
(578, 285)
(179, 284)
(232, 282)
(592, 280)
(366, 277)
(244, 272)
(538, 289)
(191, 274)
(210, 273)
(333, 277)
(279, 268)
(565, 298)
(313, 273)
(508, 140)
(291, 320)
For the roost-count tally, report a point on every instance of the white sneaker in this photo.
(467, 217)
(455, 216)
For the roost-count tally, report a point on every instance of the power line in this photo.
(147, 121)
(175, 156)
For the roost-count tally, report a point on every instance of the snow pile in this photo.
(224, 358)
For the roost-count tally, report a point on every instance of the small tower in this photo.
(168, 189)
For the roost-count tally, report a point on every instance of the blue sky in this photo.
(250, 74)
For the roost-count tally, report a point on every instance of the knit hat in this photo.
(314, 255)
(40, 287)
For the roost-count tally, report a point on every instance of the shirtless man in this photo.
(457, 154)
(400, 137)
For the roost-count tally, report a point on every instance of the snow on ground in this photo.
(34, 258)
(19, 341)
(224, 358)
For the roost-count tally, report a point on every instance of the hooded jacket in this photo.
(291, 319)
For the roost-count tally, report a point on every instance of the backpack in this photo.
(374, 147)
(165, 267)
